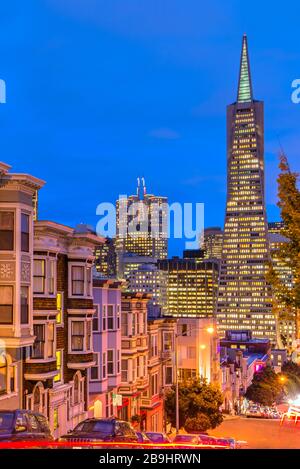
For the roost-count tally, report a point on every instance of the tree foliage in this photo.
(266, 388)
(289, 253)
(199, 405)
(291, 371)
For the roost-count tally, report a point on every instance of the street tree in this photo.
(266, 387)
(286, 298)
(199, 405)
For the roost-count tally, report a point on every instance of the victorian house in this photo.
(16, 262)
(105, 374)
(56, 372)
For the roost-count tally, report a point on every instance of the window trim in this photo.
(85, 321)
(97, 365)
(113, 318)
(46, 277)
(4, 251)
(45, 359)
(5, 324)
(96, 315)
(87, 285)
(113, 361)
(26, 214)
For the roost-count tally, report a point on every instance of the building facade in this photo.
(105, 374)
(16, 267)
(134, 354)
(192, 285)
(161, 372)
(244, 298)
(149, 279)
(198, 349)
(56, 371)
(211, 242)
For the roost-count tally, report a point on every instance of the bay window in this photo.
(124, 371)
(80, 280)
(24, 305)
(6, 231)
(80, 336)
(104, 318)
(95, 370)
(167, 341)
(44, 345)
(110, 362)
(77, 280)
(50, 340)
(88, 335)
(110, 317)
(104, 365)
(39, 344)
(124, 324)
(77, 344)
(51, 276)
(39, 275)
(24, 232)
(6, 304)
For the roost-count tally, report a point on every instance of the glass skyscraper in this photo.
(244, 298)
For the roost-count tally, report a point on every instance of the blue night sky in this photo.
(102, 91)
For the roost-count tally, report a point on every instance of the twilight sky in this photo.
(102, 91)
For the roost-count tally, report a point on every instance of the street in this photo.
(260, 433)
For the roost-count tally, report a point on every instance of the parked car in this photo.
(142, 438)
(254, 412)
(159, 438)
(186, 440)
(109, 430)
(23, 425)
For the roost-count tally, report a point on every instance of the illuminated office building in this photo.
(211, 242)
(287, 327)
(244, 299)
(142, 224)
(105, 258)
(149, 279)
(191, 286)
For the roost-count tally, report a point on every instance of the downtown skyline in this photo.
(173, 112)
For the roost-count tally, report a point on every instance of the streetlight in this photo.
(210, 330)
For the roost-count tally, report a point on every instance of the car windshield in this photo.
(96, 427)
(6, 420)
(157, 437)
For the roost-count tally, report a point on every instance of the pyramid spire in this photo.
(245, 86)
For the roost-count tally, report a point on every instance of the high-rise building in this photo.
(192, 285)
(105, 258)
(141, 226)
(211, 242)
(287, 327)
(244, 299)
(149, 279)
